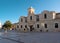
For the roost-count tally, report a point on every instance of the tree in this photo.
(7, 25)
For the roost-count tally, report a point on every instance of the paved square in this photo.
(31, 37)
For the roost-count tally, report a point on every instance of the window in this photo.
(17, 26)
(30, 17)
(45, 16)
(40, 30)
(25, 19)
(56, 25)
(45, 25)
(37, 25)
(21, 26)
(25, 26)
(21, 20)
(37, 18)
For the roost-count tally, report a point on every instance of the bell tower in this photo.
(31, 10)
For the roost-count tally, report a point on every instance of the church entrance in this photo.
(31, 28)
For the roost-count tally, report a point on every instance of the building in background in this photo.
(46, 21)
(14, 26)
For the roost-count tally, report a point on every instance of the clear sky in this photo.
(13, 9)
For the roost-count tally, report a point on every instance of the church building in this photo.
(46, 21)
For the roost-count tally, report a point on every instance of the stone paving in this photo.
(31, 37)
(9, 37)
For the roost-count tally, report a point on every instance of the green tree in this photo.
(7, 25)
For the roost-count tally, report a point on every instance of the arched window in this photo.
(30, 17)
(21, 26)
(56, 25)
(26, 20)
(37, 18)
(45, 16)
(25, 26)
(21, 20)
(37, 25)
(45, 25)
(40, 30)
(17, 26)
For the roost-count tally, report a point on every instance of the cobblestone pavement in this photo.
(31, 37)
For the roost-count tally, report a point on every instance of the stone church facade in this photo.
(46, 21)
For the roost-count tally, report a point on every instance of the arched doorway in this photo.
(31, 28)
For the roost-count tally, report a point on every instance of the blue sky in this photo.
(13, 9)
